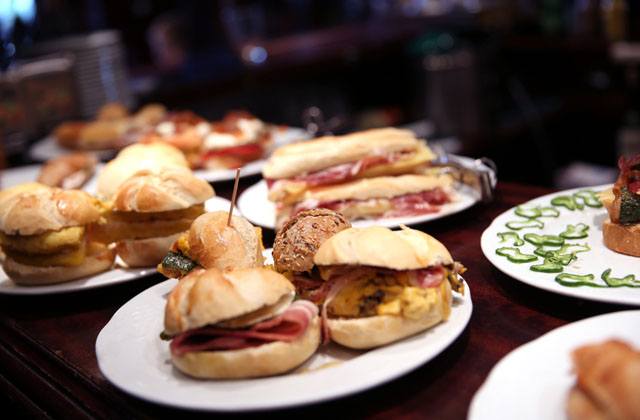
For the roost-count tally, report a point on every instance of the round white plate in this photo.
(133, 357)
(256, 207)
(595, 261)
(29, 173)
(119, 274)
(532, 382)
(47, 148)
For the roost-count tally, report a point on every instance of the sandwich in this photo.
(43, 235)
(183, 130)
(607, 382)
(149, 211)
(294, 169)
(111, 128)
(238, 324)
(373, 198)
(234, 141)
(385, 285)
(621, 231)
(296, 244)
(149, 157)
(69, 172)
(211, 243)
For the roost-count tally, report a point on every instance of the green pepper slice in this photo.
(566, 201)
(510, 236)
(515, 256)
(589, 198)
(540, 240)
(577, 280)
(549, 212)
(550, 265)
(578, 231)
(626, 281)
(573, 248)
(523, 224)
(528, 213)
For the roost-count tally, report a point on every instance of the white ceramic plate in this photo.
(256, 207)
(595, 261)
(47, 148)
(132, 356)
(29, 173)
(532, 381)
(117, 275)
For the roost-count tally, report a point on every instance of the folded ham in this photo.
(287, 326)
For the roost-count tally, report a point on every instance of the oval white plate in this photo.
(132, 356)
(595, 261)
(256, 207)
(119, 274)
(532, 381)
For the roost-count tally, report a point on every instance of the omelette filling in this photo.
(395, 293)
(67, 247)
(130, 225)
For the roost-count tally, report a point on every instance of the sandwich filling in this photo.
(359, 292)
(67, 247)
(625, 208)
(287, 326)
(130, 225)
(367, 166)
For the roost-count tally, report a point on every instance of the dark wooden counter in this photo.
(48, 365)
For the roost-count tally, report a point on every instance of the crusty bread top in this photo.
(324, 152)
(380, 187)
(207, 297)
(169, 189)
(33, 208)
(213, 244)
(137, 157)
(405, 249)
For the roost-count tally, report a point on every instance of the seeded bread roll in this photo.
(301, 237)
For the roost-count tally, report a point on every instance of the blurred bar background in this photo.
(548, 89)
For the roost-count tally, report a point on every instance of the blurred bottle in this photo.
(586, 17)
(629, 134)
(552, 16)
(615, 15)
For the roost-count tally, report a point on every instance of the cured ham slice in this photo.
(287, 327)
(344, 172)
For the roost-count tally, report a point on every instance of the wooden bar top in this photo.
(48, 366)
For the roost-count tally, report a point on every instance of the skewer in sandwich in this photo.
(212, 243)
(239, 324)
(385, 285)
(149, 211)
(43, 235)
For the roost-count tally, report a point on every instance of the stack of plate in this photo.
(99, 67)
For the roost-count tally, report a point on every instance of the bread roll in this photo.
(166, 189)
(405, 249)
(213, 244)
(624, 239)
(30, 209)
(205, 297)
(145, 252)
(310, 156)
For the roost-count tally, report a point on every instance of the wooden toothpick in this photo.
(233, 196)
